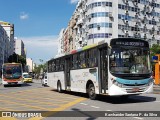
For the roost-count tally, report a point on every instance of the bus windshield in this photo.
(12, 71)
(130, 60)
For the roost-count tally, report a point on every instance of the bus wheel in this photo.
(91, 92)
(124, 97)
(59, 88)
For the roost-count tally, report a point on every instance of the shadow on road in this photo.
(116, 99)
(13, 86)
(129, 100)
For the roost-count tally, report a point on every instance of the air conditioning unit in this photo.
(153, 37)
(125, 1)
(126, 34)
(145, 28)
(126, 23)
(135, 2)
(136, 35)
(145, 36)
(127, 13)
(110, 15)
(144, 20)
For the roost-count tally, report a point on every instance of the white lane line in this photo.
(83, 104)
(108, 110)
(138, 118)
(95, 107)
(156, 101)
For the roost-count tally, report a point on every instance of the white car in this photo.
(44, 80)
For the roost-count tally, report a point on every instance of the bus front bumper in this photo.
(12, 83)
(132, 90)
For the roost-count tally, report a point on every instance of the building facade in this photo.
(30, 65)
(4, 49)
(19, 48)
(9, 28)
(97, 20)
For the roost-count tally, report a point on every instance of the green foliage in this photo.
(40, 68)
(17, 59)
(155, 49)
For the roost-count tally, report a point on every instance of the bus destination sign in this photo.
(129, 42)
(136, 44)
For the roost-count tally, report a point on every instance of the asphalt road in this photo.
(34, 97)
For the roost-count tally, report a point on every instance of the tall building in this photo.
(9, 28)
(4, 43)
(60, 43)
(30, 65)
(19, 48)
(97, 20)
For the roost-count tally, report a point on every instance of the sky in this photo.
(37, 23)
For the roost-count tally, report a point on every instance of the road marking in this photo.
(37, 97)
(41, 108)
(7, 118)
(95, 107)
(25, 91)
(156, 101)
(138, 118)
(83, 104)
(108, 110)
(36, 101)
(60, 108)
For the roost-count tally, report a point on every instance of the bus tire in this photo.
(59, 88)
(91, 92)
(124, 97)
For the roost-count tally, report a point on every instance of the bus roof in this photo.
(107, 41)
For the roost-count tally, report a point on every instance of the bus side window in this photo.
(93, 58)
(82, 60)
(75, 61)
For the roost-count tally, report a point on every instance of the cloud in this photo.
(74, 1)
(24, 16)
(41, 47)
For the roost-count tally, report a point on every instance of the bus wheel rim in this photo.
(92, 91)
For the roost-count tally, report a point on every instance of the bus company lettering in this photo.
(85, 74)
(140, 44)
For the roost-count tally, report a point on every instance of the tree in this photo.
(17, 59)
(155, 49)
(37, 69)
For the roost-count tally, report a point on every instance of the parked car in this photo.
(44, 80)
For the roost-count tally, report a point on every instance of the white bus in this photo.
(120, 67)
(12, 74)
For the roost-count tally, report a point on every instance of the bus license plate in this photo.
(135, 89)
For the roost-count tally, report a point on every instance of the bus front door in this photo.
(67, 73)
(103, 65)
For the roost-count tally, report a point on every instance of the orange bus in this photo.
(12, 74)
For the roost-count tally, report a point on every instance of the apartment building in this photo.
(20, 48)
(9, 28)
(4, 49)
(97, 20)
(30, 65)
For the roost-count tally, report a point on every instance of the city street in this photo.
(35, 97)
